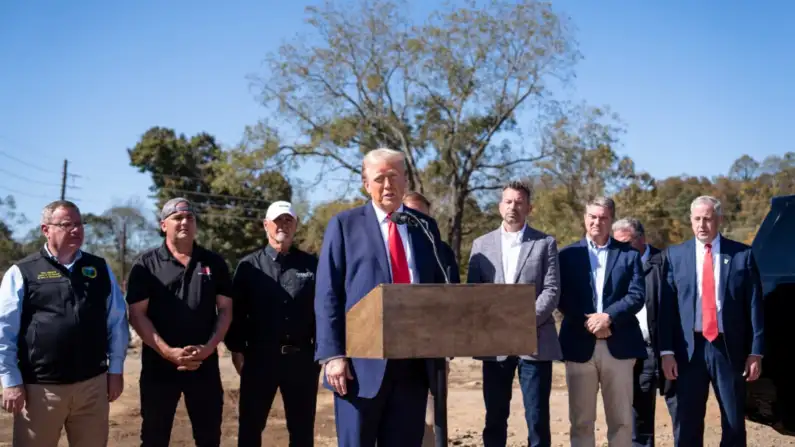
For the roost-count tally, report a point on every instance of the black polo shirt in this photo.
(182, 299)
(274, 296)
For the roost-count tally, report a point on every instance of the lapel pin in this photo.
(725, 260)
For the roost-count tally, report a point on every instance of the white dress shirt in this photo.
(701, 250)
(383, 223)
(511, 246)
(404, 237)
(642, 313)
(598, 258)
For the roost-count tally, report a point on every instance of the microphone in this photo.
(412, 220)
(402, 219)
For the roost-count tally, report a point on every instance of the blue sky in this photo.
(698, 83)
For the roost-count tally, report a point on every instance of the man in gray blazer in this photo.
(518, 254)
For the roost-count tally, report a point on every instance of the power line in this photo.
(27, 179)
(208, 194)
(207, 206)
(13, 191)
(187, 191)
(227, 216)
(236, 208)
(31, 165)
(154, 174)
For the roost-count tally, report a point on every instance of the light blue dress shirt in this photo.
(598, 259)
(11, 295)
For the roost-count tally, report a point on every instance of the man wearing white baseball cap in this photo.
(272, 337)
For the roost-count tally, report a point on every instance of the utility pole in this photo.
(123, 248)
(63, 180)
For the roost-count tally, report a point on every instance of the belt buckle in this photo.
(286, 349)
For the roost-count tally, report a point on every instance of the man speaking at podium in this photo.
(375, 401)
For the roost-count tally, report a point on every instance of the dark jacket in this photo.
(448, 259)
(653, 272)
(623, 296)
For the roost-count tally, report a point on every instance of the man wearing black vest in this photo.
(180, 305)
(63, 338)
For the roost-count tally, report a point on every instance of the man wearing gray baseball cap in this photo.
(272, 337)
(180, 305)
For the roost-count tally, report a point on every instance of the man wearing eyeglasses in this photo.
(63, 338)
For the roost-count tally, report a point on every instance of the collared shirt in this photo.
(511, 246)
(383, 222)
(12, 292)
(182, 298)
(598, 259)
(701, 251)
(642, 314)
(404, 236)
(274, 295)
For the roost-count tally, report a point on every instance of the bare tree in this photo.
(446, 92)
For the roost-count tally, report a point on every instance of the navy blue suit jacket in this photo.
(352, 262)
(623, 296)
(742, 309)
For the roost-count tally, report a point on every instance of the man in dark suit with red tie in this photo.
(375, 401)
(711, 326)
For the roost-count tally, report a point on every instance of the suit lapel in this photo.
(586, 259)
(612, 257)
(495, 254)
(376, 239)
(724, 261)
(524, 252)
(419, 245)
(689, 265)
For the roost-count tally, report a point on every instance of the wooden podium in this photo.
(400, 321)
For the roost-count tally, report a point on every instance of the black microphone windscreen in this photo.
(399, 218)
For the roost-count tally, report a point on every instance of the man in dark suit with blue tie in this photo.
(601, 289)
(711, 326)
(375, 401)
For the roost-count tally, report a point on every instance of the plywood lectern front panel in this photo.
(443, 320)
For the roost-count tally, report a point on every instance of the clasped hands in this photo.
(190, 357)
(598, 324)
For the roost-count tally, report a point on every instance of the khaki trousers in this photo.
(615, 378)
(428, 439)
(82, 408)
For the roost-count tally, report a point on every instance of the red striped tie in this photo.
(397, 255)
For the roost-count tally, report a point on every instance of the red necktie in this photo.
(397, 256)
(709, 308)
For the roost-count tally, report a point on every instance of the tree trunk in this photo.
(456, 221)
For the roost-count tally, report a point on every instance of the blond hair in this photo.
(382, 154)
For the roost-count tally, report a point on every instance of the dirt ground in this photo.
(465, 415)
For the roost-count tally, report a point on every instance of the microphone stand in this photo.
(440, 400)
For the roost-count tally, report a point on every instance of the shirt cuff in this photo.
(13, 378)
(116, 366)
(662, 353)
